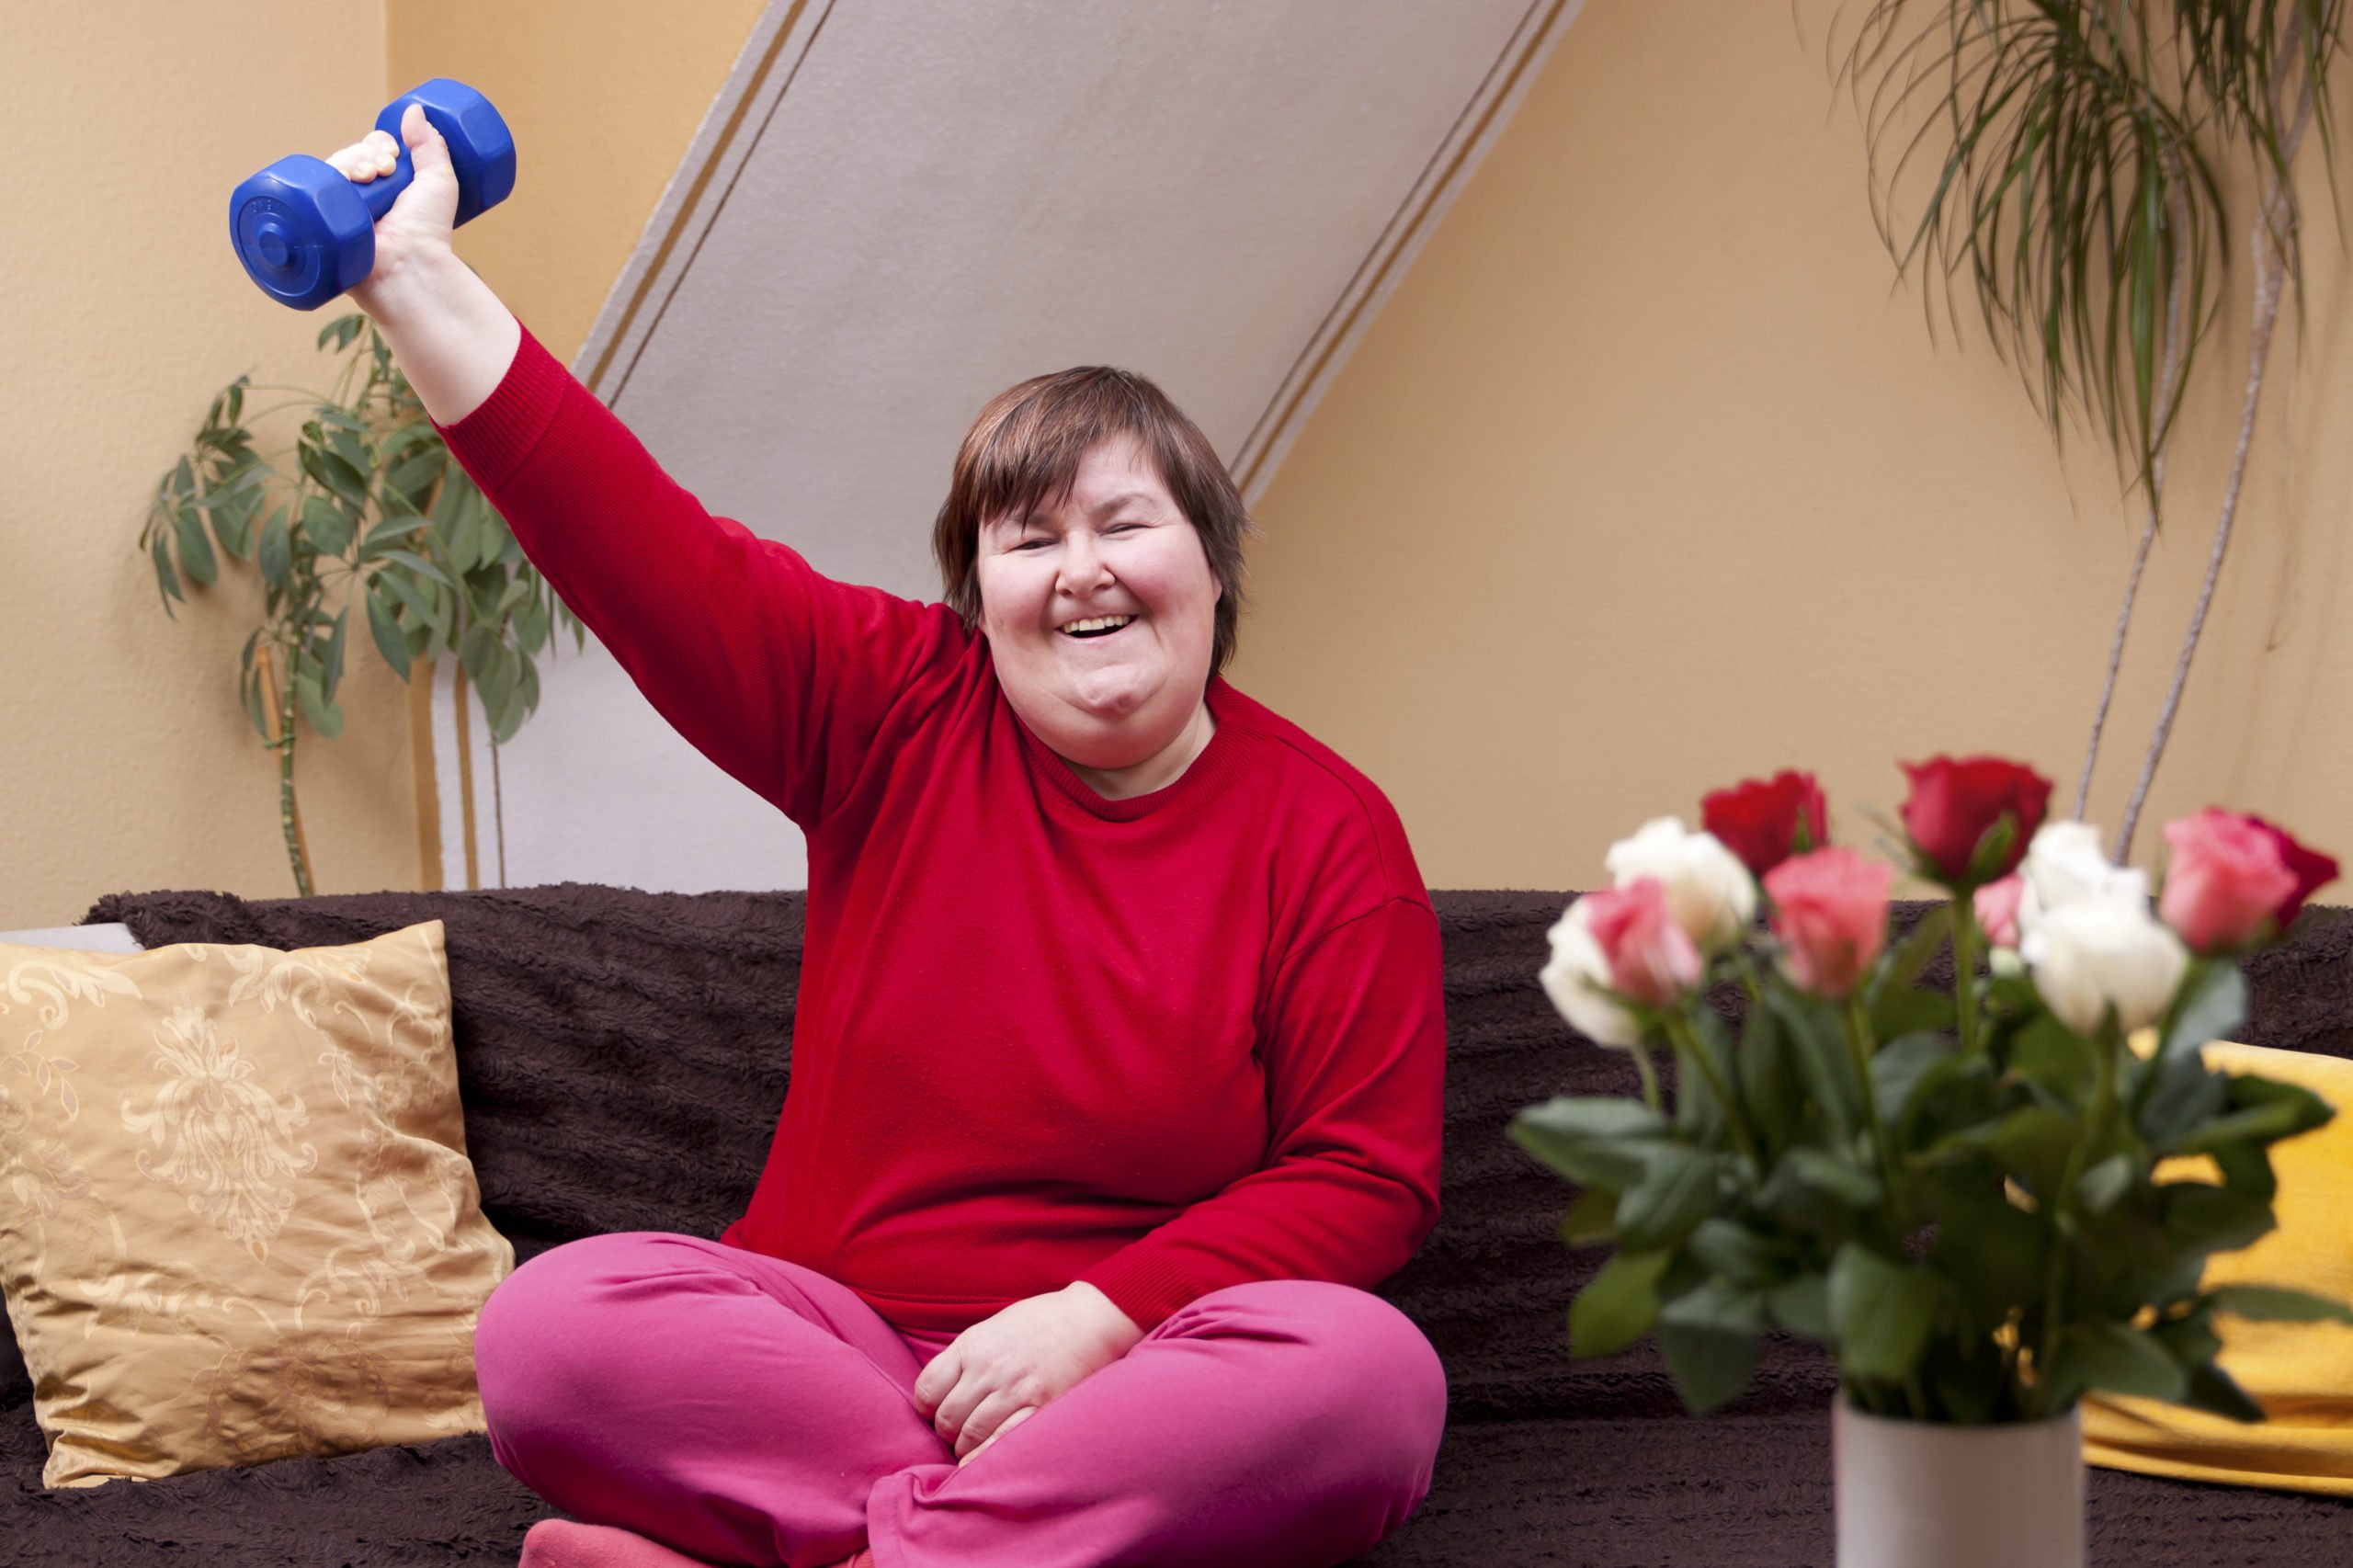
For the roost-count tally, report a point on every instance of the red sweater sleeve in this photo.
(1355, 1085)
(781, 677)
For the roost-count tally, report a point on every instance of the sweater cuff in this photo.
(493, 442)
(1143, 1282)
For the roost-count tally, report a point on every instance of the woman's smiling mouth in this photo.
(1094, 626)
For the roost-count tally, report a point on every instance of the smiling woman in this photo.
(1119, 1056)
(1103, 607)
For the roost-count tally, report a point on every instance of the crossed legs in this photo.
(746, 1410)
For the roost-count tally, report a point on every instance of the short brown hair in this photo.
(1027, 447)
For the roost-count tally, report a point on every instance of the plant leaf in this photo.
(384, 626)
(1592, 1218)
(1707, 1338)
(196, 550)
(1677, 1189)
(2122, 1360)
(1882, 1312)
(2274, 1303)
(1618, 1306)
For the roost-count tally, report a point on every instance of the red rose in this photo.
(1758, 819)
(2312, 869)
(1954, 803)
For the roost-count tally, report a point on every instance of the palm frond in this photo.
(2075, 148)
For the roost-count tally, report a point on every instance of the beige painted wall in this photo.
(603, 97)
(128, 763)
(1643, 482)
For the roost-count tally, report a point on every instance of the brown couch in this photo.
(623, 1055)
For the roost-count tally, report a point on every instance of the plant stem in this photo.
(290, 819)
(1689, 1046)
(2062, 1206)
(2270, 244)
(1965, 970)
(2168, 389)
(1858, 1035)
(1649, 1074)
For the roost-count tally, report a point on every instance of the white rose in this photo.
(1576, 977)
(2105, 947)
(2065, 863)
(1709, 891)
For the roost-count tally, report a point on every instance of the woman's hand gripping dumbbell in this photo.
(450, 334)
(308, 229)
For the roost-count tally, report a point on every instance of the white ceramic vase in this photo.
(1926, 1495)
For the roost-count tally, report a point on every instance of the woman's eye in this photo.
(1031, 544)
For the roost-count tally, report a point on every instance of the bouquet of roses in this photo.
(1962, 1194)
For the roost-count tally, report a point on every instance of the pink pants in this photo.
(747, 1410)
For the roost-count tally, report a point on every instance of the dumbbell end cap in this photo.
(302, 234)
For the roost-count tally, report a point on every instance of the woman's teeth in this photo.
(1097, 627)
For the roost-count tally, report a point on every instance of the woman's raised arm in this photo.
(452, 338)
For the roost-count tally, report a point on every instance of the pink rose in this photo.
(2227, 877)
(1830, 911)
(1650, 957)
(1997, 907)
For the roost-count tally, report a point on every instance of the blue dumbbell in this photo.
(306, 234)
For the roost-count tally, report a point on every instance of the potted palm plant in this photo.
(371, 519)
(2074, 162)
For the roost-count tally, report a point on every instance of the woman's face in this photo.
(1100, 612)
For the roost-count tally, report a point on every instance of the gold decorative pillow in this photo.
(237, 1222)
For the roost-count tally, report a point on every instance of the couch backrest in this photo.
(623, 1055)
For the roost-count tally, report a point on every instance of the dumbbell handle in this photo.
(378, 194)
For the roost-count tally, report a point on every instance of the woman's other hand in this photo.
(998, 1372)
(420, 221)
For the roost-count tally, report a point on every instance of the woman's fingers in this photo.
(372, 156)
(1007, 1425)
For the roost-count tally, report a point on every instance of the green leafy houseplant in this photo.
(373, 519)
(1963, 1193)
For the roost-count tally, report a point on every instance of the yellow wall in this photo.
(1644, 482)
(603, 97)
(127, 761)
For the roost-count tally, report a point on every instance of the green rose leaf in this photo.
(2274, 1303)
(1707, 1338)
(1676, 1190)
(1803, 1306)
(1593, 1141)
(2122, 1360)
(2212, 1389)
(1618, 1306)
(1899, 1071)
(1592, 1218)
(2203, 1218)
(2215, 1008)
(1880, 1312)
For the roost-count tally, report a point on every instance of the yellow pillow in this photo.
(237, 1222)
(2301, 1373)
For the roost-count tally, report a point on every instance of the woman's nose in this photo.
(1082, 568)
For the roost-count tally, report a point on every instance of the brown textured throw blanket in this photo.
(623, 1056)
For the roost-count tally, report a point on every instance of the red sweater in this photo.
(1164, 1045)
